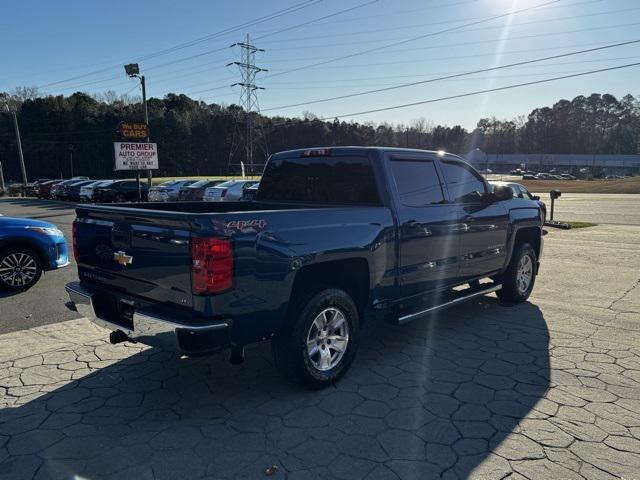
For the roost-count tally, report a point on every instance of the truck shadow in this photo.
(434, 398)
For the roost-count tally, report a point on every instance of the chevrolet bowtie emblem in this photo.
(122, 258)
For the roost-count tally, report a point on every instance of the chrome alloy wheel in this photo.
(18, 269)
(524, 274)
(327, 339)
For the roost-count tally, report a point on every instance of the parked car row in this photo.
(83, 189)
(202, 190)
(548, 176)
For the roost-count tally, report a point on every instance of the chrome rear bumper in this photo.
(155, 330)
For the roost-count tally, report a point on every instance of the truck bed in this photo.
(142, 253)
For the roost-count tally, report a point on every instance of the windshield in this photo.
(227, 184)
(200, 183)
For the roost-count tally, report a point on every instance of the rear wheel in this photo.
(520, 277)
(320, 341)
(20, 268)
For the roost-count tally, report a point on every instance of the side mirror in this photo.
(555, 194)
(536, 197)
(501, 192)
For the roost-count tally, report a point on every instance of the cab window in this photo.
(464, 184)
(417, 182)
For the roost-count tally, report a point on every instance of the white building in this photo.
(615, 164)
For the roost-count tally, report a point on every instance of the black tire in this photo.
(30, 266)
(513, 290)
(289, 346)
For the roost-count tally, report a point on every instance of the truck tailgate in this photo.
(144, 253)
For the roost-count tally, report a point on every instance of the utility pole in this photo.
(249, 98)
(17, 130)
(1, 179)
(71, 160)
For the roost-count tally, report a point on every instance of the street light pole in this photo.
(146, 120)
(133, 70)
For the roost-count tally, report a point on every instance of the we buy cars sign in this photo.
(136, 156)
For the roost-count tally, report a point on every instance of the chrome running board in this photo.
(462, 297)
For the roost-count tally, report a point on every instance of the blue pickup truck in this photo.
(335, 237)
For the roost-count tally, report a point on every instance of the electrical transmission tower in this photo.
(253, 134)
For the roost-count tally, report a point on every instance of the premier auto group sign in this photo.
(135, 156)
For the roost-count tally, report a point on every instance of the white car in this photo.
(168, 191)
(86, 191)
(230, 191)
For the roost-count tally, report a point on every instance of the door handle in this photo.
(459, 227)
(418, 227)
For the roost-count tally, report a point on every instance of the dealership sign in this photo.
(133, 130)
(136, 156)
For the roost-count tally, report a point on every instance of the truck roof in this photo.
(342, 150)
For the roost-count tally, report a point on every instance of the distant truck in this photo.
(335, 237)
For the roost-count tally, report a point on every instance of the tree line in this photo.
(61, 133)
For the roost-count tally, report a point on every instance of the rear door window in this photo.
(417, 182)
(525, 193)
(330, 180)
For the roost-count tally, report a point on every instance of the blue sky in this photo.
(48, 43)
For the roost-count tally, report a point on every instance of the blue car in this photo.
(27, 248)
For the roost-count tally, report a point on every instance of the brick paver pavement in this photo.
(544, 390)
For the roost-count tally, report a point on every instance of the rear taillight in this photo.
(74, 236)
(223, 192)
(212, 265)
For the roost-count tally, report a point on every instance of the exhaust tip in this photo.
(118, 336)
(71, 306)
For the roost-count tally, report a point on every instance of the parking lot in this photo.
(549, 389)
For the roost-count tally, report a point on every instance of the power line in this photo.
(220, 49)
(294, 8)
(442, 22)
(480, 92)
(440, 47)
(447, 77)
(340, 82)
(209, 52)
(413, 39)
(445, 46)
(227, 31)
(486, 77)
(335, 14)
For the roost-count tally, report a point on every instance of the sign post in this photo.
(136, 131)
(135, 156)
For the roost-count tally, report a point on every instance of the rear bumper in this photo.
(154, 330)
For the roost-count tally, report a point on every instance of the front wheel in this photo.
(320, 341)
(20, 268)
(520, 277)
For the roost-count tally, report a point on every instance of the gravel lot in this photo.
(549, 389)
